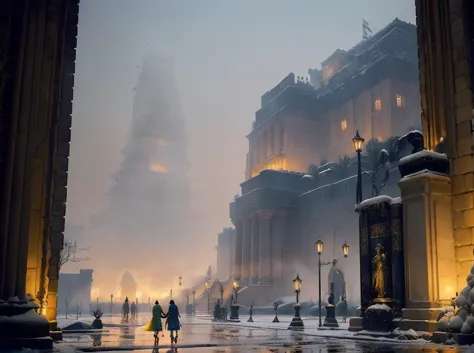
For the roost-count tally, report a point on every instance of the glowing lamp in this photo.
(235, 285)
(358, 142)
(319, 247)
(345, 249)
(297, 283)
(207, 285)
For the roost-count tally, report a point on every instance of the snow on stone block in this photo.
(396, 201)
(423, 154)
(379, 307)
(373, 201)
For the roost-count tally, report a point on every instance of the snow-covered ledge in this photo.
(377, 200)
(424, 160)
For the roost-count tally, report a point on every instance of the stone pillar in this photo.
(265, 264)
(246, 248)
(428, 243)
(255, 244)
(237, 271)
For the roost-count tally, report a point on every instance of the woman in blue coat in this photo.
(172, 321)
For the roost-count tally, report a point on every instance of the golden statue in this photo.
(379, 271)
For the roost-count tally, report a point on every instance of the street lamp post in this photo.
(111, 304)
(194, 302)
(208, 289)
(234, 309)
(358, 142)
(297, 323)
(319, 249)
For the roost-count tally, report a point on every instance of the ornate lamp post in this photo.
(319, 250)
(194, 302)
(358, 143)
(330, 309)
(208, 289)
(234, 309)
(297, 323)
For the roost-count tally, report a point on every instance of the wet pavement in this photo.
(200, 335)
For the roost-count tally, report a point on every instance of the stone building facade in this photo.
(225, 253)
(75, 291)
(372, 87)
(37, 59)
(278, 219)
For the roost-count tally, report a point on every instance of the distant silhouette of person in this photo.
(155, 324)
(342, 308)
(126, 309)
(172, 321)
(133, 310)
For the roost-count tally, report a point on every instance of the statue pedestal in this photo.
(330, 320)
(234, 313)
(22, 327)
(430, 269)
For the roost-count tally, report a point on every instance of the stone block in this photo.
(464, 130)
(463, 165)
(461, 83)
(457, 220)
(460, 69)
(463, 113)
(464, 146)
(469, 182)
(468, 218)
(458, 185)
(64, 134)
(462, 237)
(464, 252)
(463, 202)
(60, 193)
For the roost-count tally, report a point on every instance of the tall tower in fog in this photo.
(149, 200)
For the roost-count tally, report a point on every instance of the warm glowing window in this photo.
(158, 168)
(344, 125)
(378, 104)
(400, 100)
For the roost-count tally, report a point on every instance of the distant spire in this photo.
(366, 31)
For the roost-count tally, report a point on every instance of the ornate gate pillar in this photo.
(265, 263)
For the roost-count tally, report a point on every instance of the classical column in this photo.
(278, 224)
(246, 246)
(238, 249)
(265, 263)
(254, 260)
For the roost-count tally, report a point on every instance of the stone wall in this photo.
(447, 102)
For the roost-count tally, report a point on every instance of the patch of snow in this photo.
(373, 201)
(382, 307)
(396, 201)
(423, 154)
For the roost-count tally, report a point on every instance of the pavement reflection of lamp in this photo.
(208, 289)
(234, 309)
(194, 302)
(297, 323)
(358, 143)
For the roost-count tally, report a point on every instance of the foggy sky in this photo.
(227, 53)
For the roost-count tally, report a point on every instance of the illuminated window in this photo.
(378, 104)
(343, 124)
(400, 100)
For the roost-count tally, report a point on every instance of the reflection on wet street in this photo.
(199, 336)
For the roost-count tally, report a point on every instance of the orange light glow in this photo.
(158, 168)
(161, 142)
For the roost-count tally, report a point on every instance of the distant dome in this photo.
(127, 278)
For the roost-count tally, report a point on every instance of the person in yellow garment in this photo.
(155, 323)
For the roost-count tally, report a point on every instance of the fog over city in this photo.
(165, 94)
